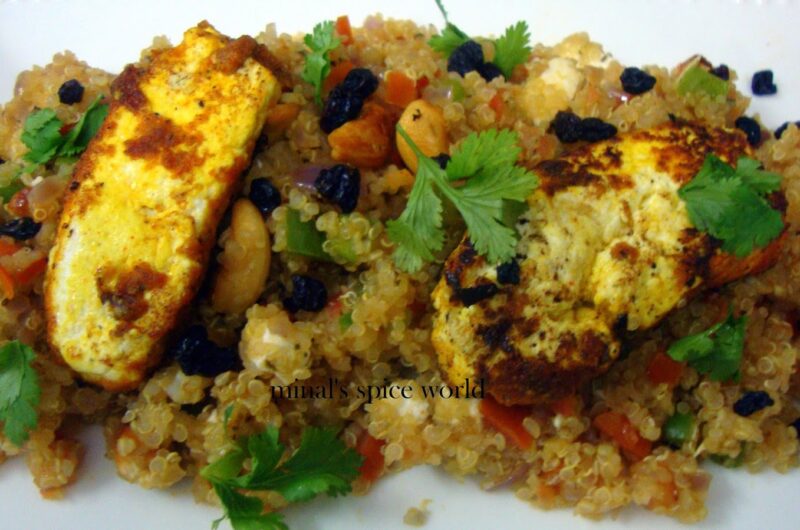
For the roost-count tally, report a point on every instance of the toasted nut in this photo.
(364, 142)
(424, 124)
(244, 261)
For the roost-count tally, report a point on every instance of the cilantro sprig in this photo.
(716, 351)
(42, 134)
(19, 391)
(482, 181)
(511, 49)
(729, 204)
(320, 42)
(321, 464)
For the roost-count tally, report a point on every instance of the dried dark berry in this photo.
(264, 195)
(308, 294)
(508, 273)
(465, 58)
(360, 82)
(636, 81)
(595, 129)
(752, 402)
(20, 229)
(442, 159)
(751, 128)
(340, 184)
(197, 355)
(762, 84)
(567, 127)
(489, 71)
(721, 71)
(340, 108)
(70, 92)
(472, 295)
(780, 130)
(796, 425)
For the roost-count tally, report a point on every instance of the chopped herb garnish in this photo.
(322, 464)
(728, 204)
(716, 351)
(451, 37)
(678, 429)
(42, 134)
(321, 42)
(486, 164)
(19, 391)
(511, 49)
(345, 321)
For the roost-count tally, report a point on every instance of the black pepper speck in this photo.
(752, 402)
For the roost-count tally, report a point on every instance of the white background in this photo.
(747, 35)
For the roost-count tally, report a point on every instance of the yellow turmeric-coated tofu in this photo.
(141, 213)
(606, 247)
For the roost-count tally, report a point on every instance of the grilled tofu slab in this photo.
(146, 197)
(605, 248)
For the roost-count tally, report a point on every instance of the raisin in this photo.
(197, 355)
(70, 92)
(264, 195)
(721, 71)
(752, 402)
(465, 58)
(340, 184)
(508, 272)
(636, 81)
(360, 82)
(489, 71)
(782, 129)
(472, 295)
(595, 129)
(20, 229)
(308, 294)
(441, 159)
(340, 108)
(567, 127)
(751, 128)
(762, 83)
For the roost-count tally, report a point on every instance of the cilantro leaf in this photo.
(486, 161)
(512, 48)
(41, 133)
(244, 512)
(729, 205)
(318, 64)
(77, 139)
(321, 464)
(716, 351)
(451, 38)
(19, 391)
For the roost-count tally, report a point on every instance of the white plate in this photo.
(746, 35)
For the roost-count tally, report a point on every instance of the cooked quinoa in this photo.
(172, 426)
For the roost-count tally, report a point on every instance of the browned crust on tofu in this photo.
(495, 329)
